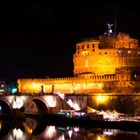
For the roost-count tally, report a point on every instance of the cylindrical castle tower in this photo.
(103, 56)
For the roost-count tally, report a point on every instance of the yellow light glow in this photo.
(0, 125)
(101, 138)
(29, 130)
(101, 99)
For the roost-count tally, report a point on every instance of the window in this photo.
(92, 45)
(119, 52)
(87, 46)
(82, 46)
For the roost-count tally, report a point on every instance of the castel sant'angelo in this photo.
(106, 68)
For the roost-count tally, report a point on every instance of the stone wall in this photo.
(123, 104)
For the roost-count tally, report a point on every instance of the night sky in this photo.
(38, 40)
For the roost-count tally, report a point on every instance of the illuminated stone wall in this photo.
(60, 85)
(120, 83)
(124, 104)
(103, 56)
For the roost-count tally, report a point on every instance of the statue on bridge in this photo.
(52, 89)
(42, 90)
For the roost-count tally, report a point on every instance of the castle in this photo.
(107, 64)
(106, 69)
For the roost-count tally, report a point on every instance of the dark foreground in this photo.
(51, 119)
(62, 121)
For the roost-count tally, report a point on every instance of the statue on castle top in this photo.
(110, 28)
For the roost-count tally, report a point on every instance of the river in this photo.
(30, 129)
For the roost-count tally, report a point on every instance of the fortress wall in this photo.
(105, 61)
(119, 83)
(63, 85)
(123, 104)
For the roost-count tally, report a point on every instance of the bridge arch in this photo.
(5, 107)
(36, 105)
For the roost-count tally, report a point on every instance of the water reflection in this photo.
(30, 129)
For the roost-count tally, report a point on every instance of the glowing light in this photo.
(70, 133)
(1, 90)
(28, 129)
(50, 132)
(61, 137)
(89, 110)
(51, 101)
(73, 105)
(76, 129)
(119, 52)
(17, 133)
(18, 103)
(0, 125)
(14, 90)
(108, 133)
(99, 138)
(112, 116)
(61, 95)
(110, 31)
(101, 99)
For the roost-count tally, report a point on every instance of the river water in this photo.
(29, 129)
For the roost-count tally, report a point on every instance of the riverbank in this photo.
(56, 120)
(83, 122)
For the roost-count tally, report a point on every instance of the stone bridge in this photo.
(37, 104)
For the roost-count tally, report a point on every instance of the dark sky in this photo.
(38, 40)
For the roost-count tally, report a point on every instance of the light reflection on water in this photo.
(32, 130)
